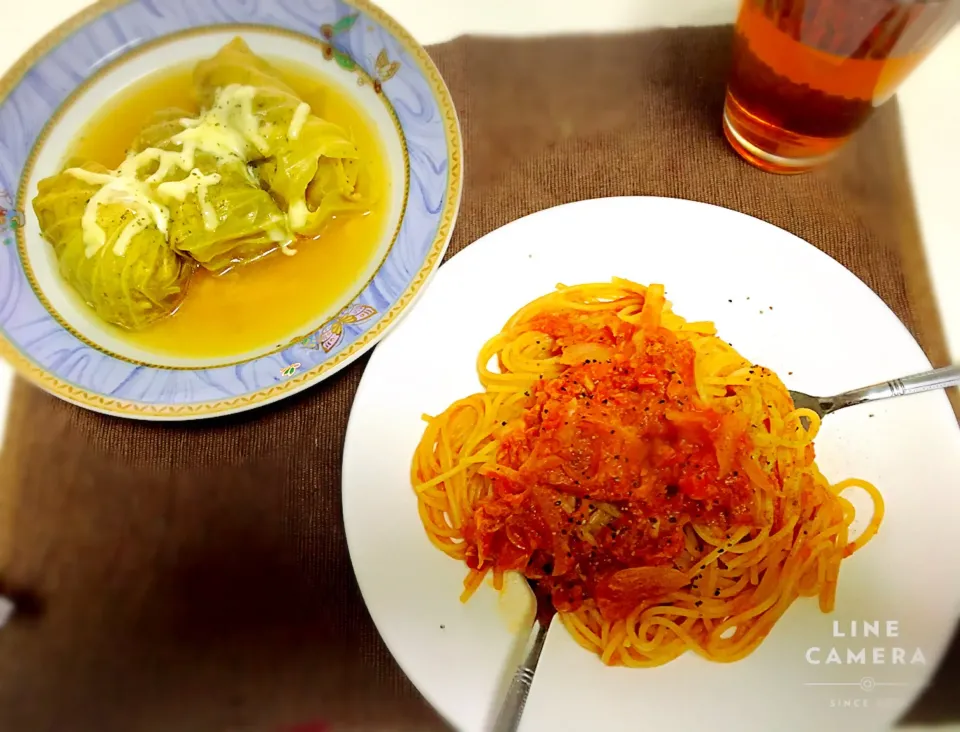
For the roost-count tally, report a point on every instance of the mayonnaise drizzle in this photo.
(298, 120)
(115, 188)
(197, 183)
(298, 213)
(228, 131)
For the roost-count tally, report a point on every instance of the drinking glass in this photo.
(808, 73)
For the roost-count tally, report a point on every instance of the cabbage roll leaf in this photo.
(310, 165)
(229, 223)
(235, 63)
(163, 125)
(315, 176)
(248, 224)
(131, 283)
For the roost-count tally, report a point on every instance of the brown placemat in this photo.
(195, 577)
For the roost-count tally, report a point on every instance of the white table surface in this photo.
(929, 102)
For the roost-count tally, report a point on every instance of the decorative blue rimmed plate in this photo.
(50, 94)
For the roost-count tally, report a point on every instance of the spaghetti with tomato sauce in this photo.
(657, 490)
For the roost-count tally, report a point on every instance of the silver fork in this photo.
(511, 708)
(937, 379)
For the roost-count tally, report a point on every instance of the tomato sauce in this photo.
(615, 457)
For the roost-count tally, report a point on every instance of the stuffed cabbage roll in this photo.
(121, 266)
(219, 225)
(309, 165)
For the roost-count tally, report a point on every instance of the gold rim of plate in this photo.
(47, 381)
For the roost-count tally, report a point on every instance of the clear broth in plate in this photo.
(263, 305)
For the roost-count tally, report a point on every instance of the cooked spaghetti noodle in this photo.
(656, 488)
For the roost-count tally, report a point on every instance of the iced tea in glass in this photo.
(807, 73)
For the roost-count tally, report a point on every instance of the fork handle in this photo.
(937, 379)
(511, 709)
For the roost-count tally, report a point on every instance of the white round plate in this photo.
(782, 303)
